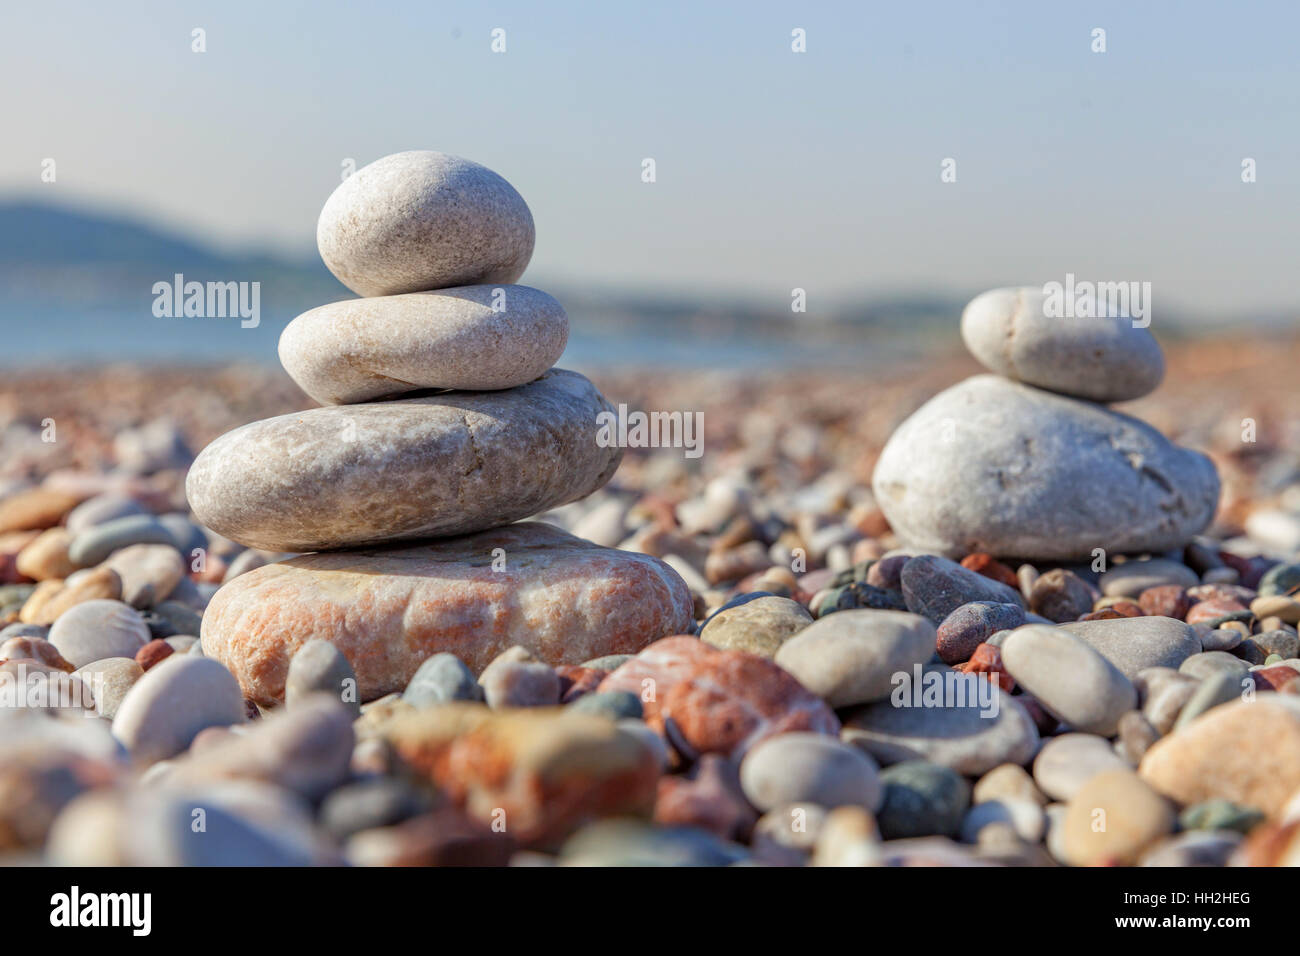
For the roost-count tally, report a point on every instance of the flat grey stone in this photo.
(472, 337)
(1103, 358)
(1135, 643)
(349, 476)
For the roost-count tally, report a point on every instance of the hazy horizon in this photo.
(775, 170)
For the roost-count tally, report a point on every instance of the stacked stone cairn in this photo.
(1029, 462)
(443, 423)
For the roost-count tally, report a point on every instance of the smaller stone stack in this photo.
(443, 418)
(1029, 462)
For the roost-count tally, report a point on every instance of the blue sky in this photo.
(774, 169)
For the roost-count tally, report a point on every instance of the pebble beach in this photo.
(1031, 602)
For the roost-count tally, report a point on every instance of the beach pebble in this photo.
(320, 667)
(934, 587)
(170, 704)
(34, 648)
(812, 768)
(99, 541)
(94, 630)
(153, 653)
(101, 509)
(626, 843)
(760, 626)
(1220, 815)
(1247, 752)
(1072, 681)
(441, 679)
(1041, 476)
(1008, 781)
(1133, 644)
(52, 599)
(473, 337)
(547, 770)
(1219, 639)
(149, 572)
(35, 509)
(614, 704)
(47, 556)
(368, 803)
(1067, 762)
(420, 220)
(1059, 596)
(1283, 643)
(848, 837)
(852, 657)
(1165, 600)
(444, 464)
(1026, 817)
(306, 750)
(1136, 735)
(521, 684)
(960, 733)
(1279, 580)
(109, 680)
(1102, 358)
(564, 599)
(1113, 818)
(1131, 578)
(921, 799)
(972, 624)
(703, 700)
(1204, 664)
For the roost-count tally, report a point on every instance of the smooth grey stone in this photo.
(319, 666)
(1204, 664)
(422, 220)
(349, 476)
(1072, 681)
(1131, 578)
(614, 704)
(1069, 761)
(24, 630)
(184, 644)
(472, 337)
(1285, 644)
(94, 630)
(851, 657)
(176, 699)
(441, 679)
(992, 465)
(187, 537)
(99, 541)
(1218, 688)
(101, 509)
(307, 750)
(1219, 639)
(962, 734)
(365, 804)
(1135, 643)
(181, 619)
(1103, 358)
(806, 767)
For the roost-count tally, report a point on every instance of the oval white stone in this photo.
(423, 220)
(472, 337)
